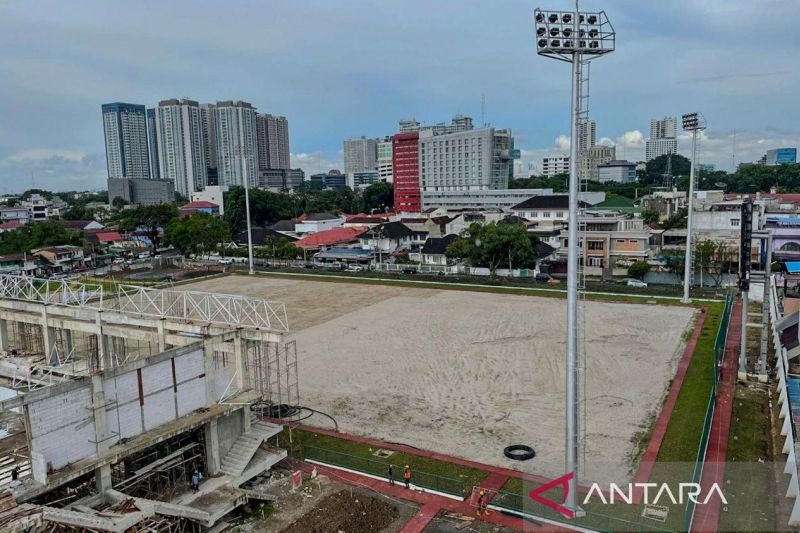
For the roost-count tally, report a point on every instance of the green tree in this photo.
(494, 246)
(677, 220)
(37, 235)
(278, 248)
(639, 269)
(679, 166)
(650, 216)
(151, 218)
(118, 202)
(197, 233)
(378, 196)
(675, 262)
(78, 212)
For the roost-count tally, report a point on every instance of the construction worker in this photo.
(196, 478)
(482, 502)
(407, 476)
(391, 475)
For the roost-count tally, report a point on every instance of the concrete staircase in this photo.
(245, 447)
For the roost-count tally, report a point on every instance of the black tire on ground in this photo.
(519, 452)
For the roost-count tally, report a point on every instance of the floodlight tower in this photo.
(694, 122)
(574, 37)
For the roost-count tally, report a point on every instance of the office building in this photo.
(587, 134)
(272, 134)
(385, 160)
(237, 152)
(618, 171)
(470, 160)
(405, 168)
(360, 154)
(457, 124)
(152, 143)
(181, 149)
(663, 138)
(208, 114)
(125, 128)
(280, 179)
(141, 191)
(363, 179)
(555, 165)
(781, 156)
(333, 179)
(486, 199)
(591, 158)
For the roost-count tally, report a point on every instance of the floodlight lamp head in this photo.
(539, 17)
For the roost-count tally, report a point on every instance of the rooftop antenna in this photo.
(733, 152)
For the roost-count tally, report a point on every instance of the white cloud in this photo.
(562, 142)
(314, 162)
(43, 154)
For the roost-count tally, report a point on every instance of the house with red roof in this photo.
(200, 206)
(322, 240)
(11, 225)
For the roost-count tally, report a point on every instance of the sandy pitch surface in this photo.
(467, 373)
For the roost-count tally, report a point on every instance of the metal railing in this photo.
(204, 307)
(425, 480)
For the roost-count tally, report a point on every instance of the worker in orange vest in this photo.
(407, 476)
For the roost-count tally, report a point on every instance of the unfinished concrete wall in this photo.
(139, 397)
(62, 427)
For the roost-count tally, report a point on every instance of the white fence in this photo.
(453, 270)
(787, 428)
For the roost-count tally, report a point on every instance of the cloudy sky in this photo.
(341, 68)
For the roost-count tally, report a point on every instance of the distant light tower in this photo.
(244, 153)
(694, 122)
(575, 37)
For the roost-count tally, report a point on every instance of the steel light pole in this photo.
(694, 122)
(243, 153)
(574, 37)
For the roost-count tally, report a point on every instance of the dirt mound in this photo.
(343, 512)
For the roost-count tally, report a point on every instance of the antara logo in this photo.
(652, 494)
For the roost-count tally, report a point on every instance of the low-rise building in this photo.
(20, 264)
(61, 259)
(666, 202)
(316, 222)
(212, 193)
(611, 240)
(433, 251)
(550, 208)
(323, 240)
(391, 237)
(200, 206)
(18, 213)
(138, 191)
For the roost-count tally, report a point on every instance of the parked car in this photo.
(225, 261)
(409, 270)
(118, 261)
(637, 283)
(541, 277)
(298, 264)
(355, 267)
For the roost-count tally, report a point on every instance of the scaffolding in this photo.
(272, 370)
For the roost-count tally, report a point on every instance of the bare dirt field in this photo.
(467, 373)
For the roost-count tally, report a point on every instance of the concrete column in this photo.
(162, 337)
(69, 346)
(48, 339)
(213, 459)
(102, 478)
(246, 418)
(103, 353)
(242, 381)
(102, 434)
(208, 367)
(3, 335)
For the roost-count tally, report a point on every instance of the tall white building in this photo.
(360, 155)
(587, 134)
(237, 151)
(273, 141)
(472, 160)
(152, 143)
(385, 165)
(555, 165)
(457, 123)
(208, 113)
(663, 138)
(592, 158)
(125, 128)
(181, 148)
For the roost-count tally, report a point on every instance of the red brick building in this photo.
(405, 160)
